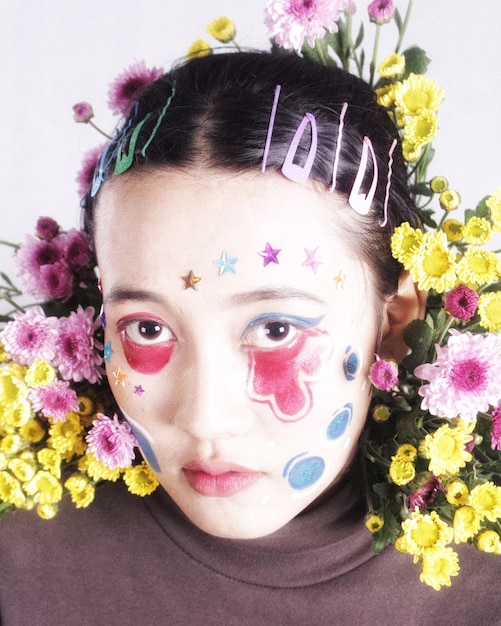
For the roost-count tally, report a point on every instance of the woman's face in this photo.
(240, 328)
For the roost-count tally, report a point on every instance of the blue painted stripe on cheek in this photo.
(340, 421)
(147, 450)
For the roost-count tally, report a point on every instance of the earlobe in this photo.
(406, 305)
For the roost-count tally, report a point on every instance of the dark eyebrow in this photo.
(122, 294)
(273, 293)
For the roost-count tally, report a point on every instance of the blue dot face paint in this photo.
(302, 473)
(352, 363)
(339, 422)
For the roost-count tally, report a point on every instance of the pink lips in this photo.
(219, 478)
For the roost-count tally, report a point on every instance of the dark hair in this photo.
(219, 117)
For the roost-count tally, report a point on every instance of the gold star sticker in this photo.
(339, 280)
(119, 377)
(190, 280)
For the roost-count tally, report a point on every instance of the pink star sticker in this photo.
(269, 255)
(311, 259)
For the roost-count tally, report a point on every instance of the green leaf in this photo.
(398, 20)
(360, 36)
(419, 337)
(416, 61)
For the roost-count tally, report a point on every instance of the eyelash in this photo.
(263, 327)
(130, 330)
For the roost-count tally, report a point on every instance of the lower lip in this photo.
(220, 485)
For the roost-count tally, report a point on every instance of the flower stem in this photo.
(100, 131)
(10, 244)
(404, 25)
(374, 54)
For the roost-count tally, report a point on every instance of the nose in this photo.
(210, 400)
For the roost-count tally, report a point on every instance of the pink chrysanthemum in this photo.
(461, 302)
(425, 494)
(290, 22)
(384, 374)
(46, 228)
(77, 248)
(54, 400)
(82, 112)
(77, 356)
(111, 441)
(128, 85)
(30, 336)
(381, 11)
(465, 377)
(496, 428)
(86, 173)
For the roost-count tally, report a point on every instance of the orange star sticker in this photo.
(190, 280)
(339, 280)
(119, 377)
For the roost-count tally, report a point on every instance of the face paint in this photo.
(339, 422)
(146, 359)
(144, 440)
(352, 363)
(302, 473)
(282, 377)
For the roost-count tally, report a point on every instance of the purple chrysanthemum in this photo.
(381, 11)
(384, 374)
(290, 22)
(425, 494)
(111, 441)
(128, 85)
(496, 428)
(77, 248)
(30, 336)
(465, 377)
(54, 400)
(77, 356)
(82, 112)
(86, 173)
(461, 302)
(46, 228)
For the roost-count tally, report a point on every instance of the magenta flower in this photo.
(425, 494)
(111, 442)
(128, 85)
(290, 22)
(465, 377)
(46, 228)
(77, 352)
(55, 281)
(30, 336)
(384, 374)
(77, 248)
(381, 11)
(86, 173)
(461, 302)
(54, 400)
(496, 428)
(82, 112)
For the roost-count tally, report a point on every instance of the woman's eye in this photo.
(270, 334)
(147, 332)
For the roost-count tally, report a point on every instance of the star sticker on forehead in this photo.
(339, 280)
(269, 255)
(119, 377)
(311, 260)
(226, 264)
(190, 280)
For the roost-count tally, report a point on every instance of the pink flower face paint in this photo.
(282, 377)
(147, 344)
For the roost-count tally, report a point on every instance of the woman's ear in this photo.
(406, 305)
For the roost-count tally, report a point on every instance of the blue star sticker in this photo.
(107, 351)
(226, 264)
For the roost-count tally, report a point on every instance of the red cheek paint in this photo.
(282, 377)
(147, 359)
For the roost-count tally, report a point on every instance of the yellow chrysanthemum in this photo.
(424, 531)
(486, 500)
(392, 66)
(407, 451)
(477, 267)
(421, 129)
(411, 150)
(439, 184)
(437, 567)
(11, 443)
(81, 490)
(140, 479)
(199, 48)
(44, 488)
(456, 492)
(47, 511)
(477, 231)
(386, 96)
(97, 470)
(434, 265)
(466, 523)
(453, 229)
(222, 29)
(489, 309)
(494, 204)
(40, 374)
(85, 406)
(4, 357)
(22, 470)
(10, 490)
(17, 414)
(488, 541)
(373, 522)
(401, 470)
(66, 437)
(51, 461)
(3, 461)
(12, 386)
(446, 449)
(32, 431)
(405, 242)
(449, 200)
(418, 93)
(381, 413)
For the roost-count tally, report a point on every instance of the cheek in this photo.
(282, 378)
(147, 359)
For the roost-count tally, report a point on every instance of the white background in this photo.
(54, 53)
